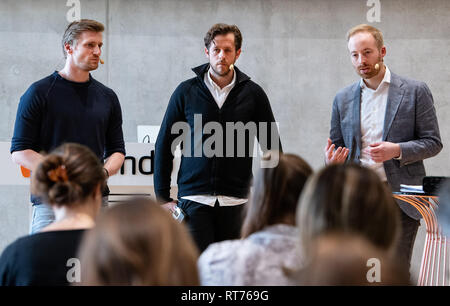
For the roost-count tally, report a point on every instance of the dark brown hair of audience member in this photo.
(276, 193)
(351, 260)
(223, 29)
(138, 243)
(68, 175)
(348, 198)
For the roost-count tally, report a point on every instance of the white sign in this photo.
(147, 133)
(138, 167)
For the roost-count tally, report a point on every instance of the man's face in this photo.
(87, 50)
(222, 53)
(365, 54)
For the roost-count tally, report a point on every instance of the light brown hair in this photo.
(276, 193)
(74, 30)
(367, 28)
(346, 260)
(348, 198)
(223, 29)
(138, 243)
(68, 175)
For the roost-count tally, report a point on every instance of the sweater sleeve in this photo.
(268, 137)
(28, 121)
(163, 148)
(114, 135)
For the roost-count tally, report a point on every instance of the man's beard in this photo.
(223, 73)
(373, 72)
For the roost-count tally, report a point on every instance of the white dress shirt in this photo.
(219, 95)
(373, 110)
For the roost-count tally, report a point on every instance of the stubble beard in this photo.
(373, 72)
(221, 74)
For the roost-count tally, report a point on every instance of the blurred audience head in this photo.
(351, 260)
(138, 243)
(276, 193)
(350, 199)
(69, 176)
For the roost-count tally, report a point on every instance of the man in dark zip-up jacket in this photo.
(213, 187)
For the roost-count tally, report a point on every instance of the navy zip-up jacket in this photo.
(217, 174)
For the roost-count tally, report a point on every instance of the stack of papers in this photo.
(411, 188)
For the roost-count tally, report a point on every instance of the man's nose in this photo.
(97, 50)
(361, 59)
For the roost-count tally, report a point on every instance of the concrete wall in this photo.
(296, 50)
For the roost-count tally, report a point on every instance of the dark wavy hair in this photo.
(223, 29)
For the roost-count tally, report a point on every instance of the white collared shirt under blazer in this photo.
(373, 110)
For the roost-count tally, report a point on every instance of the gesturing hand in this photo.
(337, 156)
(383, 151)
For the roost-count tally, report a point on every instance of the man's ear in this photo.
(206, 52)
(238, 53)
(68, 48)
(383, 51)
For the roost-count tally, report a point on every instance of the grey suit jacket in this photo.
(410, 121)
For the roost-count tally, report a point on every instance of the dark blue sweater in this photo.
(55, 110)
(214, 175)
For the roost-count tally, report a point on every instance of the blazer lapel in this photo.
(395, 96)
(356, 137)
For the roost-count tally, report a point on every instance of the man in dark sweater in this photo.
(216, 170)
(69, 106)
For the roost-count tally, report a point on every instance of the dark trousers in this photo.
(212, 224)
(409, 227)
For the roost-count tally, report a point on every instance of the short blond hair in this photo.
(367, 28)
(74, 30)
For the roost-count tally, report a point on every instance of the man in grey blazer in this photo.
(385, 122)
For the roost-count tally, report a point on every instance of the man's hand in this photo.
(170, 206)
(27, 158)
(337, 156)
(383, 151)
(113, 163)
